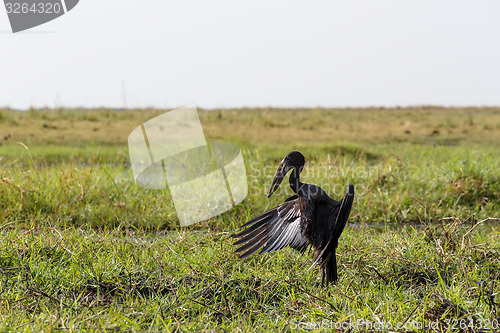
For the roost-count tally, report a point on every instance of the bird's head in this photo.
(294, 160)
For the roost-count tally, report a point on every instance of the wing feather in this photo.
(273, 230)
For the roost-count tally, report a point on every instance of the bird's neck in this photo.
(295, 183)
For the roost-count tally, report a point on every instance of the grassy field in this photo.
(84, 248)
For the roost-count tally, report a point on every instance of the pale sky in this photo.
(166, 54)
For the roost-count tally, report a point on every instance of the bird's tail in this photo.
(329, 269)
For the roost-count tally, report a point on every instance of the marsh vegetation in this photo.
(82, 247)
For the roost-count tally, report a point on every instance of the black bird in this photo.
(310, 217)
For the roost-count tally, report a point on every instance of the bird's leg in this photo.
(329, 269)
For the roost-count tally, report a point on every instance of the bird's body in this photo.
(310, 217)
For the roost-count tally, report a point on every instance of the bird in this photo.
(307, 218)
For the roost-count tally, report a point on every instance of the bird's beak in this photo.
(278, 177)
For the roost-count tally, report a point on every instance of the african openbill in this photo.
(310, 217)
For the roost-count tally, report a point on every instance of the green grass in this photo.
(76, 279)
(83, 248)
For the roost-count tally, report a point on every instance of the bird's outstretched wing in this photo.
(273, 230)
(344, 212)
